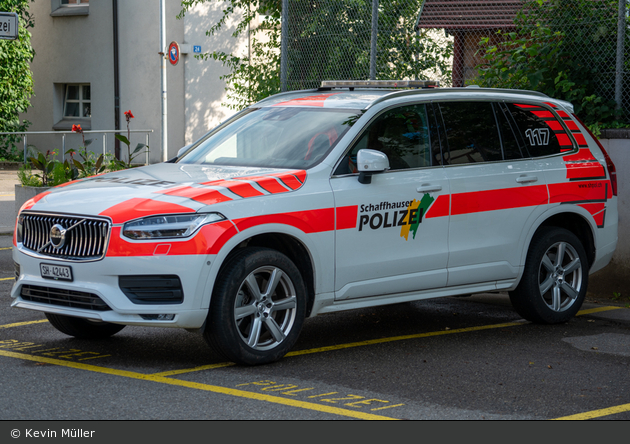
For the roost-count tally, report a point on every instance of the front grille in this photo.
(63, 298)
(86, 238)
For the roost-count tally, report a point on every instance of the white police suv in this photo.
(352, 195)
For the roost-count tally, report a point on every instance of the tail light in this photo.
(610, 166)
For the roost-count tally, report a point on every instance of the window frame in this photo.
(60, 9)
(432, 133)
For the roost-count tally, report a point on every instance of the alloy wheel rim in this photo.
(265, 308)
(560, 276)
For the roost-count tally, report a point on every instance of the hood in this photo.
(164, 188)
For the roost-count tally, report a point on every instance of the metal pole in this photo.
(104, 144)
(621, 36)
(284, 44)
(25, 145)
(164, 83)
(146, 162)
(373, 47)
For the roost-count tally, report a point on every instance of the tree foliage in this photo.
(327, 40)
(563, 48)
(16, 79)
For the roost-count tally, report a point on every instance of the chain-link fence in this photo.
(440, 39)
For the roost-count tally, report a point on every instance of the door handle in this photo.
(427, 188)
(526, 179)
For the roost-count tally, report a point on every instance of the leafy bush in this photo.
(16, 80)
(561, 48)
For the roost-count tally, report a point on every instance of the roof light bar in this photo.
(380, 84)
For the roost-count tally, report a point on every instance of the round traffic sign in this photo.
(173, 53)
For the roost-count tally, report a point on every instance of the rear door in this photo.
(497, 190)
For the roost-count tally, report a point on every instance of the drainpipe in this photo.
(116, 79)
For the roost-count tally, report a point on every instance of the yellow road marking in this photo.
(198, 386)
(597, 310)
(7, 279)
(596, 413)
(402, 338)
(195, 369)
(7, 195)
(19, 324)
(382, 340)
(6, 248)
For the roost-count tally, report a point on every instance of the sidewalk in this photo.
(8, 179)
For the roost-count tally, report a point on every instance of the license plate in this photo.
(57, 272)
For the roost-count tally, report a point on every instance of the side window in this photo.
(471, 133)
(401, 133)
(535, 126)
(513, 146)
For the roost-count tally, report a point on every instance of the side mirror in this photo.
(370, 162)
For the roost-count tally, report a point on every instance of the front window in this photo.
(274, 137)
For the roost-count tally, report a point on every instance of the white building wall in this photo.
(80, 49)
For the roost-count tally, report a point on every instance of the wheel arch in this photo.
(288, 245)
(574, 222)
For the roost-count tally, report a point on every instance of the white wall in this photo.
(79, 49)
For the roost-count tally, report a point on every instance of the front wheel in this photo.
(83, 328)
(554, 280)
(258, 307)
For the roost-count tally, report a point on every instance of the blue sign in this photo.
(197, 49)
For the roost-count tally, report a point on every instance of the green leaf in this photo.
(123, 139)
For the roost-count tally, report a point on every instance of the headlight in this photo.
(168, 226)
(20, 229)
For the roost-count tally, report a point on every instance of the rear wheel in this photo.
(554, 280)
(258, 307)
(83, 328)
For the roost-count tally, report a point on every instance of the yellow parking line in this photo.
(7, 279)
(195, 369)
(199, 386)
(6, 248)
(596, 413)
(382, 340)
(20, 324)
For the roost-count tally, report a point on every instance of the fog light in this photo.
(16, 266)
(157, 317)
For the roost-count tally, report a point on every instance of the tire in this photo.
(554, 280)
(258, 307)
(83, 328)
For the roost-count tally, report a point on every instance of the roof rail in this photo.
(329, 84)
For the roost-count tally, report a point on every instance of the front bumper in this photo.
(100, 279)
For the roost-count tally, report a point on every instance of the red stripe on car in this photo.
(311, 221)
(206, 196)
(242, 189)
(347, 217)
(267, 183)
(137, 208)
(502, 199)
(578, 191)
(316, 100)
(208, 240)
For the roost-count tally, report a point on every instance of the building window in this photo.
(77, 101)
(73, 106)
(60, 8)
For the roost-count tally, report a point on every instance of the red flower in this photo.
(128, 115)
(77, 129)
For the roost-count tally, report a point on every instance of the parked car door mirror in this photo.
(370, 162)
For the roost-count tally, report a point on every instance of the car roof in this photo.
(364, 98)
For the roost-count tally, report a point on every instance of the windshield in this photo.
(274, 137)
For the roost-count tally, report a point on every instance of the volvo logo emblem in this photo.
(58, 236)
